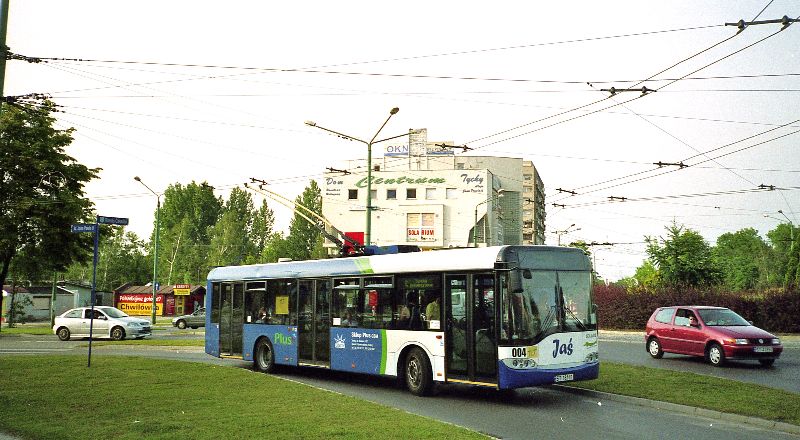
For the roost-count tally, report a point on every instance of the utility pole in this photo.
(3, 47)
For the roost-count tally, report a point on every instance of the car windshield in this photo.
(720, 317)
(114, 312)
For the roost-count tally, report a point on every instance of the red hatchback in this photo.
(715, 333)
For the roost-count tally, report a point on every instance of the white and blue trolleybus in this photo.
(503, 317)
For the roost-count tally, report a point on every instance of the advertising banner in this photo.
(140, 303)
(182, 289)
(360, 350)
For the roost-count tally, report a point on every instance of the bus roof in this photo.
(440, 260)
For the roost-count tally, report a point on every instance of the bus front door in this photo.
(471, 351)
(314, 323)
(231, 319)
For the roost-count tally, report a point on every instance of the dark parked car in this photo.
(193, 320)
(715, 333)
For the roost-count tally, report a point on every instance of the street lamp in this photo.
(475, 224)
(155, 254)
(392, 112)
(565, 231)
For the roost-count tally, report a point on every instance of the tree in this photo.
(263, 223)
(187, 215)
(230, 237)
(785, 256)
(303, 235)
(738, 255)
(646, 277)
(41, 194)
(683, 258)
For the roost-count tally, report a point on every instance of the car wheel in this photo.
(654, 348)
(63, 334)
(766, 362)
(264, 359)
(419, 378)
(181, 324)
(715, 355)
(117, 333)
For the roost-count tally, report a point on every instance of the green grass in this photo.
(154, 342)
(135, 398)
(696, 390)
(27, 329)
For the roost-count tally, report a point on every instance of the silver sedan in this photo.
(103, 321)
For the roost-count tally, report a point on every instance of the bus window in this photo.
(415, 293)
(254, 302)
(216, 293)
(348, 302)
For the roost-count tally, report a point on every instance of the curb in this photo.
(685, 409)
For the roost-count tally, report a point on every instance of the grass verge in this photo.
(696, 390)
(58, 397)
(27, 330)
(153, 342)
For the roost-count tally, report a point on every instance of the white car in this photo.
(108, 322)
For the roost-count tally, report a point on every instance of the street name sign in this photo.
(112, 220)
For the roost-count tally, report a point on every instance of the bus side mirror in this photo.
(515, 281)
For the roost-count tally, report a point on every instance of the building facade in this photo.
(425, 195)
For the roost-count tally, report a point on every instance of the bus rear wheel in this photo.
(419, 378)
(264, 359)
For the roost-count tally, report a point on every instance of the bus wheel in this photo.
(264, 359)
(419, 378)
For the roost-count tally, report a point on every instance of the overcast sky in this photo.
(218, 92)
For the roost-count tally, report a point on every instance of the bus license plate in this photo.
(564, 377)
(762, 349)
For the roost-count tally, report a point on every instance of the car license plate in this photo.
(564, 377)
(762, 349)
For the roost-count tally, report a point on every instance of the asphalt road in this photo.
(546, 413)
(628, 348)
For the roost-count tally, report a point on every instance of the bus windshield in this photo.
(551, 301)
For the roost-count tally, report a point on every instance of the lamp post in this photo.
(565, 231)
(392, 112)
(155, 253)
(475, 224)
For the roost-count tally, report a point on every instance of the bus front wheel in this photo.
(264, 359)
(419, 378)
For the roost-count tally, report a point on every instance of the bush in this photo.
(774, 310)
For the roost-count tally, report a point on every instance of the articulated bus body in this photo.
(504, 317)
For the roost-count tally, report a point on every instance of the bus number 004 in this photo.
(519, 352)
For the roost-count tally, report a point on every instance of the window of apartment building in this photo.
(452, 193)
(391, 194)
(528, 176)
(352, 194)
(527, 237)
(527, 189)
(373, 194)
(459, 166)
(411, 193)
(430, 193)
(527, 213)
(527, 224)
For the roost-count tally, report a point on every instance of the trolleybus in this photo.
(503, 317)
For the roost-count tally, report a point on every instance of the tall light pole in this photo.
(155, 253)
(568, 229)
(392, 112)
(475, 224)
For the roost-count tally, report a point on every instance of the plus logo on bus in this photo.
(562, 348)
(281, 339)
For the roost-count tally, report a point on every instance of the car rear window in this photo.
(665, 315)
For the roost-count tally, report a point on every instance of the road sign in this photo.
(112, 220)
(83, 227)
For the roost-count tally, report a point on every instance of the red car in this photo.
(715, 333)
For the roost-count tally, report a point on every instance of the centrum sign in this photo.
(400, 180)
(181, 289)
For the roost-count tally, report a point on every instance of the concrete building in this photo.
(425, 195)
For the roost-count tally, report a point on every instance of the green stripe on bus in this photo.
(362, 264)
(383, 351)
